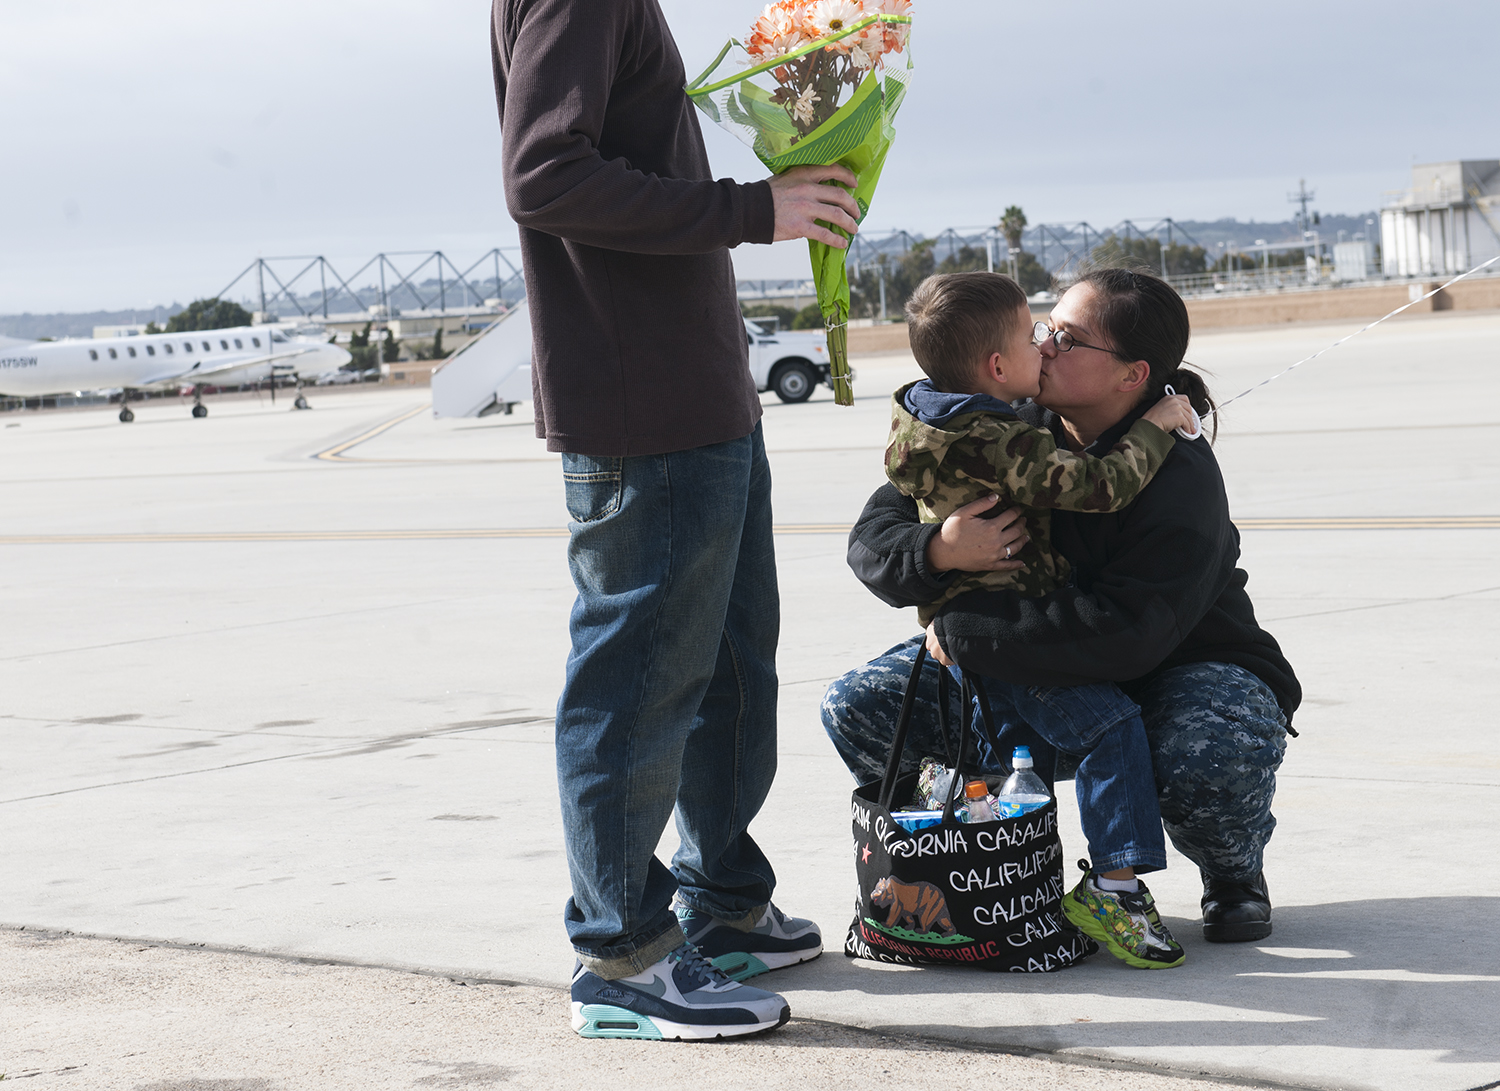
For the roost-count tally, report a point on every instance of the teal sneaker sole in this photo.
(608, 1021)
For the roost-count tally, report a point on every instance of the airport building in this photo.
(1447, 222)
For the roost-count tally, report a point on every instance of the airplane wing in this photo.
(198, 371)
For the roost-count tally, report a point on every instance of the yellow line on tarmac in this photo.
(480, 533)
(1416, 522)
(1378, 522)
(336, 452)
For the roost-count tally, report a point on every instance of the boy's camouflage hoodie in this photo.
(947, 450)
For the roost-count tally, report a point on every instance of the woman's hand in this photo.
(968, 543)
(935, 649)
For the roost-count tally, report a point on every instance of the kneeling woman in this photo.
(1158, 607)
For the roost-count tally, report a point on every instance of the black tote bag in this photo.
(985, 894)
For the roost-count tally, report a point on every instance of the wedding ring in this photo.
(1007, 553)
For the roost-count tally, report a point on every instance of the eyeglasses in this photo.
(1064, 340)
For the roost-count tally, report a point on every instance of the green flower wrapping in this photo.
(818, 92)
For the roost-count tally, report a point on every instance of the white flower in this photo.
(827, 17)
(776, 32)
(803, 110)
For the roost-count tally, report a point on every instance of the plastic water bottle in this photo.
(1023, 791)
(977, 799)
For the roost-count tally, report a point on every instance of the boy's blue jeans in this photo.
(1100, 728)
(670, 695)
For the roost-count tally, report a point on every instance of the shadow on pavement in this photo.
(1417, 974)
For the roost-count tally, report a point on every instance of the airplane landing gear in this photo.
(126, 416)
(300, 403)
(200, 410)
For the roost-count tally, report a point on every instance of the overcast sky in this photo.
(153, 149)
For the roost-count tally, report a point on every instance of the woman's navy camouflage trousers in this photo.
(1216, 732)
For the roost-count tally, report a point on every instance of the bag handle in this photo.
(972, 687)
(903, 723)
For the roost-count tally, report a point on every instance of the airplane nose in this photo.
(334, 356)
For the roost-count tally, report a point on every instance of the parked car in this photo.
(339, 377)
(790, 362)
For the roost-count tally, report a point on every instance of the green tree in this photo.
(390, 348)
(435, 350)
(152, 327)
(965, 259)
(1144, 253)
(902, 274)
(808, 318)
(1032, 274)
(208, 314)
(361, 350)
(1012, 223)
(1295, 258)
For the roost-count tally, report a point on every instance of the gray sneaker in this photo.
(683, 996)
(775, 941)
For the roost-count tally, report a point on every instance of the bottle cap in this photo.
(976, 789)
(1021, 759)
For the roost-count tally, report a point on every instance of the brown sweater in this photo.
(638, 345)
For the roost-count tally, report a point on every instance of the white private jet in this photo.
(245, 354)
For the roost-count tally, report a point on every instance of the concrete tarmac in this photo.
(259, 699)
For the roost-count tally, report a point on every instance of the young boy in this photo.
(954, 439)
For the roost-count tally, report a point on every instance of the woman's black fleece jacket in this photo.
(1156, 584)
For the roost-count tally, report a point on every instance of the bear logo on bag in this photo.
(920, 903)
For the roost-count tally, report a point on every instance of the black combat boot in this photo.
(1236, 912)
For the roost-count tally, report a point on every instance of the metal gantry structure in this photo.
(391, 283)
(1059, 247)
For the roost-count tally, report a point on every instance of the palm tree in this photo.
(1012, 223)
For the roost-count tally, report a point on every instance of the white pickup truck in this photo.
(790, 362)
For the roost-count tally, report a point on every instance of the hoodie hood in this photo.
(920, 439)
(932, 406)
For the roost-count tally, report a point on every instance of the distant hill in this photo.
(32, 327)
(1209, 234)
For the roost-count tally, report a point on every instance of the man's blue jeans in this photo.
(670, 695)
(1215, 732)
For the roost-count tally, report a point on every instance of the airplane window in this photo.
(93, 355)
(113, 355)
(224, 345)
(131, 351)
(207, 347)
(168, 346)
(255, 341)
(187, 346)
(238, 343)
(150, 351)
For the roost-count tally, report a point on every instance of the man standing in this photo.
(641, 380)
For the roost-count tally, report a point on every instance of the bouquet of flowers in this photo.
(817, 91)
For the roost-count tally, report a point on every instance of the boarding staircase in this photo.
(491, 374)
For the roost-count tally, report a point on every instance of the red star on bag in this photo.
(865, 857)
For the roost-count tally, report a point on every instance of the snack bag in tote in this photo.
(984, 894)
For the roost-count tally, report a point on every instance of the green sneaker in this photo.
(1126, 924)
